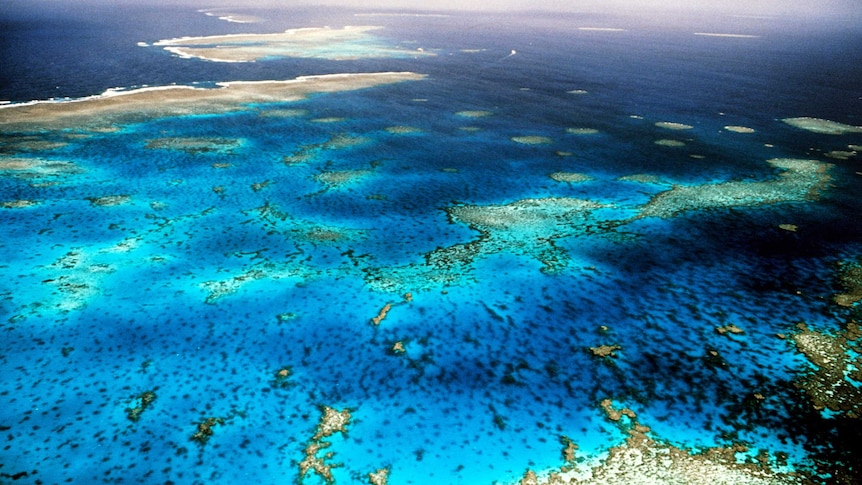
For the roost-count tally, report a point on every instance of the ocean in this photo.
(569, 215)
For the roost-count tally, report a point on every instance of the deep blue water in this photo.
(497, 364)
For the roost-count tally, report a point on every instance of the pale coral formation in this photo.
(204, 429)
(821, 126)
(283, 113)
(381, 315)
(665, 142)
(110, 200)
(836, 383)
(582, 131)
(14, 144)
(570, 177)
(329, 119)
(850, 279)
(380, 477)
(668, 125)
(140, 404)
(195, 145)
(18, 204)
(106, 111)
(532, 140)
(37, 169)
(642, 460)
(348, 43)
(331, 421)
(474, 113)
(338, 178)
(729, 329)
(641, 178)
(739, 129)
(403, 130)
(841, 154)
(605, 350)
(798, 181)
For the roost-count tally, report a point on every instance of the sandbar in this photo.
(137, 105)
(821, 126)
(348, 43)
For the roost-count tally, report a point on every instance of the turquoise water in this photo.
(251, 242)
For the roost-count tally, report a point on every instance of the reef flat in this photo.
(137, 105)
(347, 43)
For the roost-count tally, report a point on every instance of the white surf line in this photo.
(736, 36)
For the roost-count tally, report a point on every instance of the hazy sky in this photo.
(784, 6)
(805, 7)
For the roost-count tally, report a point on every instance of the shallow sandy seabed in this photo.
(107, 110)
(821, 126)
(352, 42)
